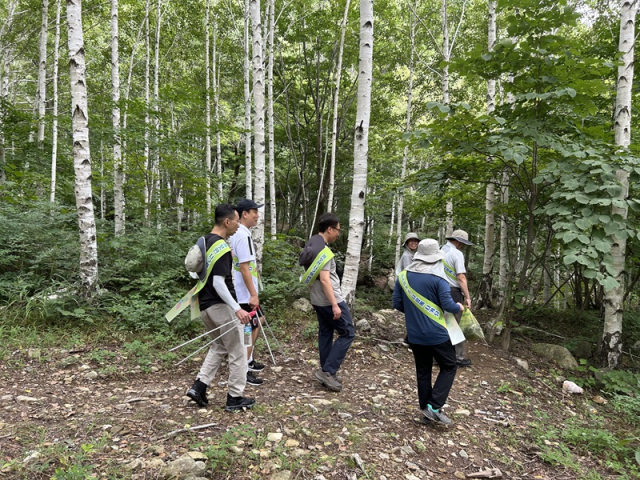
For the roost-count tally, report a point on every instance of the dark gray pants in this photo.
(332, 353)
(461, 348)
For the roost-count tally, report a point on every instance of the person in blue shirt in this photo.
(422, 293)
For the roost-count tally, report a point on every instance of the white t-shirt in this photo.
(455, 259)
(244, 250)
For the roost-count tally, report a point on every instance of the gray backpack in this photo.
(194, 262)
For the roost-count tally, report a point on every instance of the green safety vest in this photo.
(430, 309)
(253, 269)
(215, 253)
(318, 264)
(449, 271)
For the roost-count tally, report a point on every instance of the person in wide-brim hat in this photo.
(410, 246)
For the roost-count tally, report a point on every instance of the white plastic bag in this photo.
(571, 387)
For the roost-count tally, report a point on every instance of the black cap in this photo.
(245, 205)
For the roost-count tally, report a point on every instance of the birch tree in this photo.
(270, 117)
(405, 155)
(118, 169)
(614, 298)
(360, 153)
(336, 99)
(247, 103)
(5, 69)
(147, 72)
(156, 110)
(81, 152)
(54, 122)
(42, 73)
(486, 291)
(216, 98)
(258, 123)
(207, 108)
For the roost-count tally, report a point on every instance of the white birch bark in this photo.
(446, 54)
(102, 191)
(42, 72)
(504, 251)
(118, 169)
(207, 107)
(147, 73)
(613, 299)
(156, 122)
(360, 153)
(54, 123)
(247, 104)
(405, 155)
(336, 99)
(393, 213)
(271, 135)
(485, 290)
(216, 99)
(81, 152)
(258, 124)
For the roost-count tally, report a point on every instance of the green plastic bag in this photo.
(470, 326)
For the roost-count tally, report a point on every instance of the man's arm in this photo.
(397, 300)
(223, 292)
(325, 280)
(462, 280)
(247, 278)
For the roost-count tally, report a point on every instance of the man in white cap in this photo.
(422, 293)
(456, 275)
(410, 245)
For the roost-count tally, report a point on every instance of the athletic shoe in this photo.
(328, 381)
(198, 393)
(238, 403)
(252, 380)
(437, 417)
(464, 363)
(255, 366)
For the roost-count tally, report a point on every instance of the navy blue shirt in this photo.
(421, 330)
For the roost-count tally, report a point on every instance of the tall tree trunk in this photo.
(485, 295)
(118, 170)
(613, 299)
(147, 70)
(336, 99)
(103, 199)
(216, 99)
(258, 123)
(156, 110)
(5, 69)
(54, 123)
(207, 108)
(247, 104)
(504, 250)
(405, 155)
(391, 224)
(81, 152)
(42, 73)
(446, 53)
(360, 153)
(272, 162)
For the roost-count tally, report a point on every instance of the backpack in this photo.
(194, 261)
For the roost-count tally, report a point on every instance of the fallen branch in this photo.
(500, 422)
(190, 429)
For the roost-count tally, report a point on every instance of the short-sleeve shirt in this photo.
(455, 260)
(244, 250)
(208, 295)
(318, 298)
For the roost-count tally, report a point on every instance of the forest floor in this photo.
(112, 411)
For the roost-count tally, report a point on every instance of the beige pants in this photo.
(230, 343)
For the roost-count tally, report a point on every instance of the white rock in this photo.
(291, 443)
(6, 398)
(134, 464)
(363, 325)
(92, 375)
(523, 364)
(274, 437)
(463, 454)
(25, 399)
(235, 449)
(462, 411)
(34, 456)
(571, 387)
(302, 305)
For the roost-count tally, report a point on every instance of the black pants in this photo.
(461, 348)
(445, 355)
(332, 353)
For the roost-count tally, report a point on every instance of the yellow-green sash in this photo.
(449, 271)
(253, 269)
(430, 309)
(215, 252)
(318, 264)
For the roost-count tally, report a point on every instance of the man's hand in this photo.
(243, 316)
(253, 301)
(461, 307)
(337, 313)
(468, 302)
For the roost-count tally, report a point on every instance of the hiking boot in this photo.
(437, 417)
(253, 380)
(198, 393)
(328, 381)
(255, 366)
(464, 363)
(238, 403)
(338, 377)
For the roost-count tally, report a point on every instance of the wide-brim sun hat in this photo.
(428, 251)
(410, 236)
(461, 236)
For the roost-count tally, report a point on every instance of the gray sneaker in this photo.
(328, 380)
(437, 417)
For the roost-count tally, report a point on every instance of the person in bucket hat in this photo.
(456, 276)
(422, 293)
(410, 246)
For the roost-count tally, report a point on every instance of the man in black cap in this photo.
(456, 275)
(246, 277)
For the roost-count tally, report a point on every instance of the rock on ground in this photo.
(556, 353)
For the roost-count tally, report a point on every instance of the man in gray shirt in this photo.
(327, 300)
